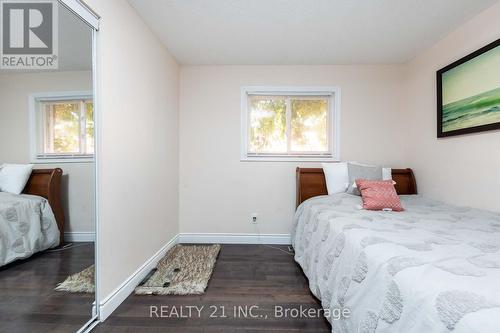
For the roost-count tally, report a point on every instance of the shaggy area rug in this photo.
(185, 270)
(82, 282)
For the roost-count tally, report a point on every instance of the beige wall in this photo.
(464, 170)
(138, 170)
(15, 89)
(218, 192)
(388, 117)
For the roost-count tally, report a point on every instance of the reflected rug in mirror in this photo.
(82, 282)
(184, 270)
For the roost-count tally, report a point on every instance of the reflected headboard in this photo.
(311, 183)
(46, 183)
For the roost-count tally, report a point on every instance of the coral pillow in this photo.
(379, 195)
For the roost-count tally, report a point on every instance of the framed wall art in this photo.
(468, 93)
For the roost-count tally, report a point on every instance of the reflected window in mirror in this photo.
(63, 127)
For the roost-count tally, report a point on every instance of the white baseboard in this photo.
(113, 300)
(83, 236)
(230, 238)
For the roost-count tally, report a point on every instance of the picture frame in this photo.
(468, 93)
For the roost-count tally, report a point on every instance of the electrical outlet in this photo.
(254, 217)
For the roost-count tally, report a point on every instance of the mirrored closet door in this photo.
(47, 168)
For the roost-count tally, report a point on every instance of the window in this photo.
(62, 127)
(290, 124)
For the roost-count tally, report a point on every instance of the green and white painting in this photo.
(471, 94)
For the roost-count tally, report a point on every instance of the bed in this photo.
(33, 221)
(432, 268)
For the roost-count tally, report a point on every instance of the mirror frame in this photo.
(91, 18)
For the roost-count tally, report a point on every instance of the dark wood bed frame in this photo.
(47, 183)
(311, 183)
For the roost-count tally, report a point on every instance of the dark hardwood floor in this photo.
(244, 275)
(28, 302)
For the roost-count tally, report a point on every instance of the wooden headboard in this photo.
(47, 183)
(311, 182)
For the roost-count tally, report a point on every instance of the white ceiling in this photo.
(74, 44)
(303, 31)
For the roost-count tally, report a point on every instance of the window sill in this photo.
(61, 160)
(289, 159)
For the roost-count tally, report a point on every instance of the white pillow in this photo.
(13, 177)
(386, 174)
(336, 176)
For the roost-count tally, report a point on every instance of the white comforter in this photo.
(432, 268)
(27, 226)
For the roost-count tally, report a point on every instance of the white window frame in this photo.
(333, 123)
(34, 100)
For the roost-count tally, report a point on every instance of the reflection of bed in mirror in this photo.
(34, 220)
(46, 183)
